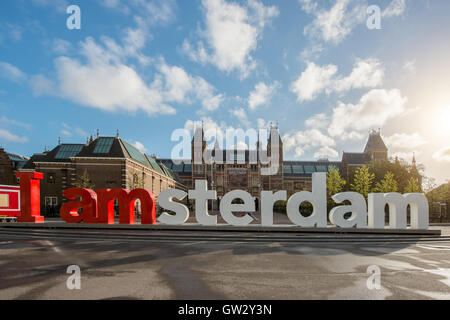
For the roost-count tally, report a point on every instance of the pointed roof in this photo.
(199, 134)
(355, 158)
(101, 147)
(375, 142)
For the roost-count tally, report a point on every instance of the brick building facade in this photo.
(245, 174)
(9, 164)
(245, 171)
(111, 162)
(108, 162)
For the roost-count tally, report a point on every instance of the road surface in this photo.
(120, 264)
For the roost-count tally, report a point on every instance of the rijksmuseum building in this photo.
(243, 169)
(111, 162)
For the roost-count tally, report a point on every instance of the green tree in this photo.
(335, 183)
(388, 184)
(136, 183)
(401, 169)
(362, 180)
(84, 181)
(412, 186)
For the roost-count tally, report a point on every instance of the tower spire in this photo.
(216, 144)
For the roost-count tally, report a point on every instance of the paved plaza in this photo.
(142, 264)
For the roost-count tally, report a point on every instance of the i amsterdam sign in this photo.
(98, 207)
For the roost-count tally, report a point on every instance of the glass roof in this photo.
(155, 165)
(309, 169)
(103, 145)
(287, 169)
(298, 169)
(167, 163)
(135, 153)
(67, 151)
(177, 167)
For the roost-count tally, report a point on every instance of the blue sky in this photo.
(149, 67)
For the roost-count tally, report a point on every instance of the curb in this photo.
(222, 228)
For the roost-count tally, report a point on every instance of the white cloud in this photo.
(134, 40)
(404, 141)
(206, 93)
(315, 79)
(334, 24)
(318, 121)
(311, 53)
(156, 12)
(61, 46)
(372, 111)
(116, 5)
(326, 152)
(299, 152)
(41, 85)
(210, 127)
(81, 132)
(11, 31)
(5, 121)
(138, 145)
(263, 124)
(262, 94)
(106, 81)
(241, 115)
(404, 155)
(108, 87)
(443, 155)
(11, 73)
(394, 9)
(367, 73)
(308, 6)
(183, 88)
(231, 33)
(5, 135)
(70, 131)
(58, 5)
(410, 66)
(151, 12)
(305, 140)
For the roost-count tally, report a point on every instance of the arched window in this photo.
(135, 180)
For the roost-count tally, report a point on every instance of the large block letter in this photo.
(165, 201)
(358, 208)
(127, 201)
(398, 205)
(318, 198)
(268, 199)
(227, 207)
(105, 206)
(30, 197)
(70, 210)
(201, 195)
